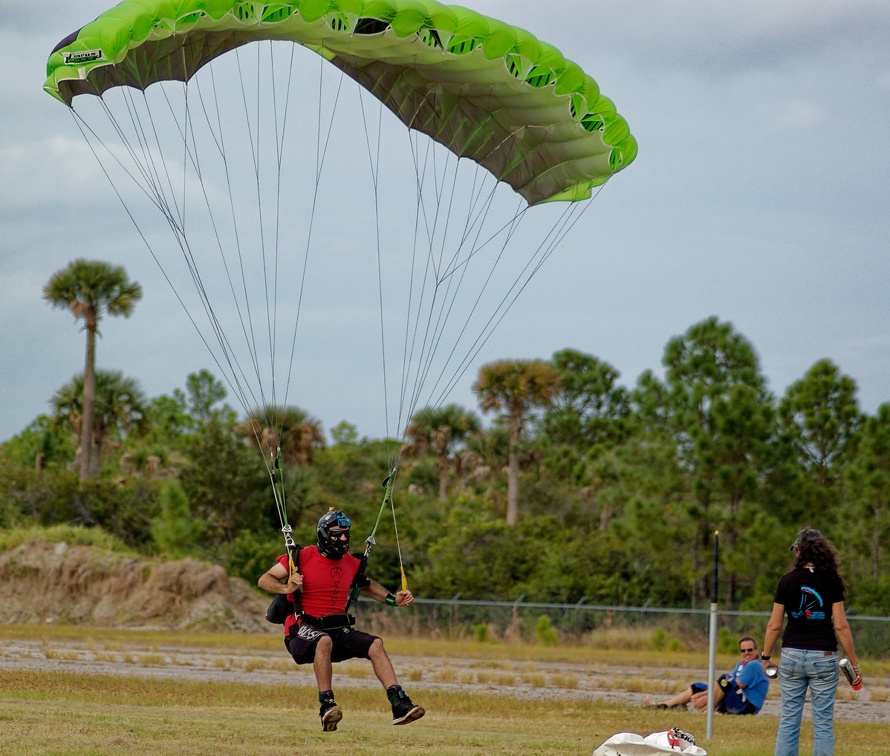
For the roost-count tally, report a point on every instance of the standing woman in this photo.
(812, 595)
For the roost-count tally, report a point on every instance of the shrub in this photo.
(545, 633)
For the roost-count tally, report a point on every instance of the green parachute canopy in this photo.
(484, 89)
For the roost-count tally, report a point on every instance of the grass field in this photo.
(62, 712)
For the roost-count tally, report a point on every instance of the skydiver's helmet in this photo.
(331, 542)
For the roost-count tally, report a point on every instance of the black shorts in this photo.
(349, 643)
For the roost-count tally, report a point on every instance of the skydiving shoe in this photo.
(403, 710)
(329, 712)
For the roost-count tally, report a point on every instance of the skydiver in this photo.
(320, 631)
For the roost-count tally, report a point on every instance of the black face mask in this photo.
(333, 547)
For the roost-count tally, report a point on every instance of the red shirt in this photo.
(326, 583)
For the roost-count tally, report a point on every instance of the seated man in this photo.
(742, 691)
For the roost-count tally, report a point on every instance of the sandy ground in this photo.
(525, 680)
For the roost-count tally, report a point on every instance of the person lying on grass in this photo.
(741, 691)
(318, 631)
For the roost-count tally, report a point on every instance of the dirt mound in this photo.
(54, 582)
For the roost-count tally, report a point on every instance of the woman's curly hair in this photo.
(814, 548)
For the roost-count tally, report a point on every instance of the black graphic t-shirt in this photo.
(808, 598)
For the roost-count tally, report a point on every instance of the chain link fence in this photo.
(658, 627)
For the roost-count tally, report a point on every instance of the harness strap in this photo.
(328, 622)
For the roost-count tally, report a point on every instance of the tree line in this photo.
(577, 487)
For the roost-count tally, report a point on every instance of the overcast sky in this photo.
(760, 195)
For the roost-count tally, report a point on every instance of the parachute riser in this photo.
(276, 473)
(388, 485)
(371, 541)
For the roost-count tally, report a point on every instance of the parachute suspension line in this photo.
(152, 188)
(151, 170)
(454, 283)
(269, 248)
(374, 166)
(419, 214)
(85, 129)
(250, 333)
(570, 216)
(557, 233)
(430, 224)
(395, 457)
(258, 403)
(480, 340)
(507, 301)
(241, 387)
(438, 314)
(426, 339)
(466, 323)
(320, 155)
(280, 130)
(234, 368)
(270, 331)
(186, 130)
(434, 334)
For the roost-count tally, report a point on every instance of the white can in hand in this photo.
(849, 673)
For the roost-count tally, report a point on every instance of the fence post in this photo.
(712, 639)
(578, 612)
(452, 614)
(516, 624)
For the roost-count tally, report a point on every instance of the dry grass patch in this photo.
(506, 679)
(494, 663)
(445, 674)
(106, 656)
(360, 670)
(567, 681)
(486, 676)
(61, 654)
(414, 674)
(534, 679)
(253, 663)
(96, 714)
(222, 662)
(152, 659)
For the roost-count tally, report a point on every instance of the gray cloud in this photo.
(759, 195)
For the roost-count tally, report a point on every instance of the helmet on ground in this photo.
(331, 525)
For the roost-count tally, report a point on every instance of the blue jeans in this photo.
(797, 670)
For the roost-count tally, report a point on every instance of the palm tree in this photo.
(118, 404)
(516, 386)
(440, 430)
(294, 430)
(89, 289)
